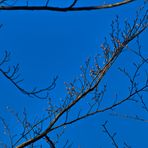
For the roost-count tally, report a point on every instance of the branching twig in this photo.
(111, 136)
(95, 82)
(12, 75)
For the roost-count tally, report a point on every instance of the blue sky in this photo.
(46, 44)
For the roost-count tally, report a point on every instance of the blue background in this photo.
(46, 44)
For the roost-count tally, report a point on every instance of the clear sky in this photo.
(46, 44)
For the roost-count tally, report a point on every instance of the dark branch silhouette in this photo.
(111, 136)
(14, 77)
(72, 7)
(84, 89)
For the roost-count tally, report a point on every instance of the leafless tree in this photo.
(86, 88)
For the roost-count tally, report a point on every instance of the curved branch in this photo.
(12, 75)
(71, 8)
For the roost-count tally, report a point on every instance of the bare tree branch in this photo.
(12, 75)
(101, 110)
(111, 136)
(97, 78)
(71, 8)
(7, 131)
(88, 84)
(124, 116)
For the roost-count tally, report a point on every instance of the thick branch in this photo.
(49, 141)
(48, 8)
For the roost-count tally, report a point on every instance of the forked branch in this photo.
(14, 77)
(111, 57)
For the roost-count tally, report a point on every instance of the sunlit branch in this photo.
(96, 81)
(102, 110)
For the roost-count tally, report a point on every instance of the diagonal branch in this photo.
(102, 110)
(111, 136)
(49, 141)
(99, 77)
